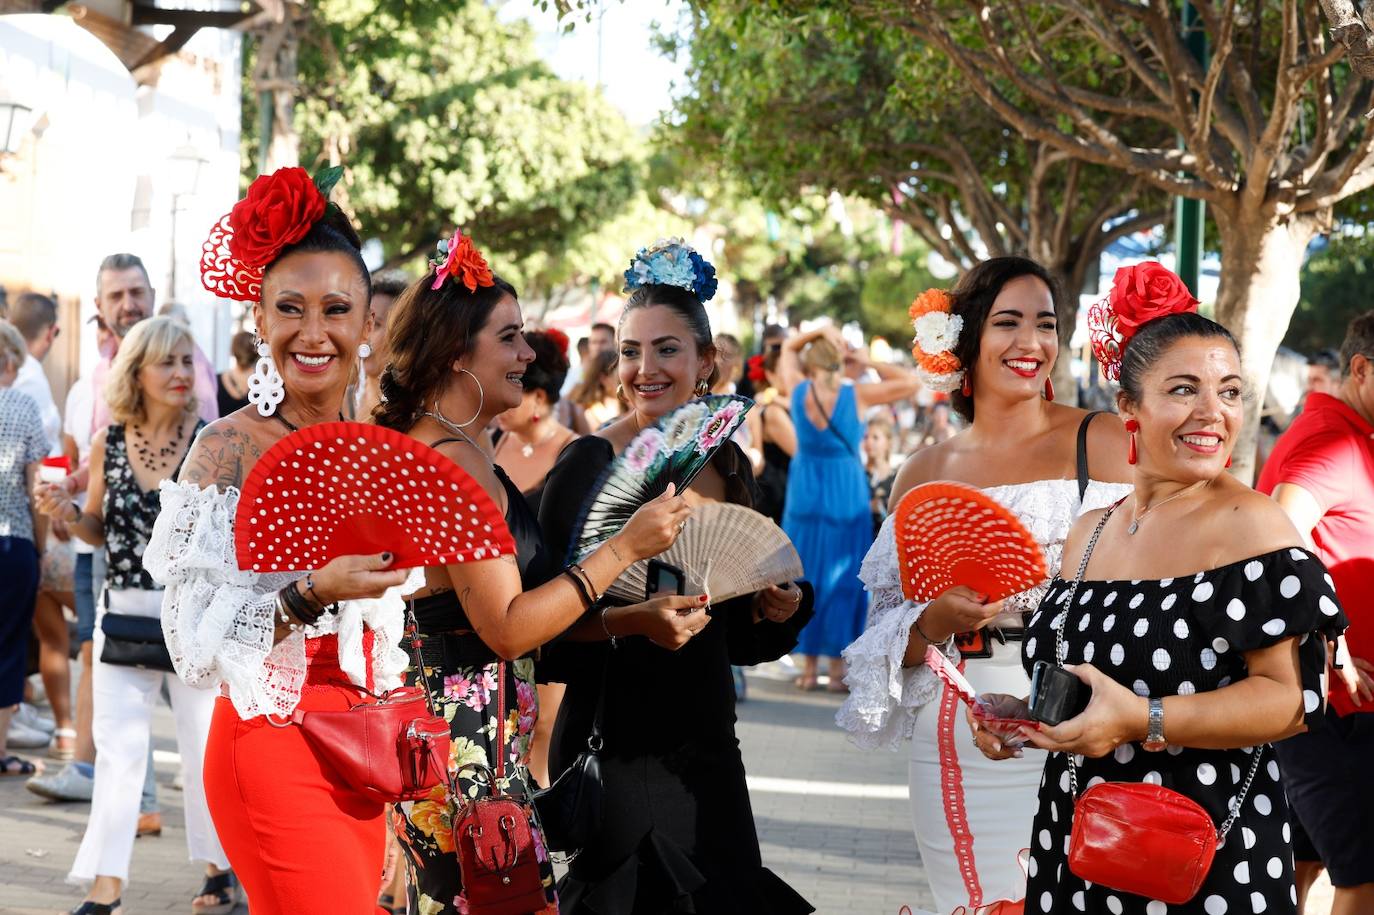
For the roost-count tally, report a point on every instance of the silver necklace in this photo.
(1140, 516)
(453, 427)
(527, 449)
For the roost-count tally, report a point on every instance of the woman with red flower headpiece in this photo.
(991, 342)
(274, 643)
(1199, 626)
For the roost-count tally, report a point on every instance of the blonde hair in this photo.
(13, 349)
(821, 355)
(149, 341)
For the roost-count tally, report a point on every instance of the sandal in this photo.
(96, 908)
(15, 765)
(220, 886)
(57, 750)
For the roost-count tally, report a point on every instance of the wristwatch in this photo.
(1154, 737)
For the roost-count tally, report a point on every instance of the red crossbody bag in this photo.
(1141, 838)
(493, 836)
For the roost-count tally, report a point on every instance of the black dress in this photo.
(772, 481)
(1177, 637)
(461, 672)
(679, 832)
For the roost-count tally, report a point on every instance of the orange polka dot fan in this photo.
(348, 489)
(949, 534)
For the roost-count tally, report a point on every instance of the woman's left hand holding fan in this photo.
(777, 603)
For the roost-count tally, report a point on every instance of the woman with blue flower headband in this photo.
(678, 832)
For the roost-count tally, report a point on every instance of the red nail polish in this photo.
(703, 598)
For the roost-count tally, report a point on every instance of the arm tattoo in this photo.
(614, 551)
(220, 458)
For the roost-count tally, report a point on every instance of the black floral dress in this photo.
(461, 672)
(1177, 637)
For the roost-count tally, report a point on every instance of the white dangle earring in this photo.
(266, 388)
(360, 385)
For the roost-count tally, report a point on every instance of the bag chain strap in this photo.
(1061, 652)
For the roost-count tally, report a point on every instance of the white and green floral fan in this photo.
(672, 450)
(725, 550)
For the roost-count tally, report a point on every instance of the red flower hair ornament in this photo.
(757, 373)
(459, 258)
(278, 210)
(1140, 293)
(559, 339)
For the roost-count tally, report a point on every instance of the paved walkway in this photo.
(833, 822)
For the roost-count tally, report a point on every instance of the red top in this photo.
(1329, 451)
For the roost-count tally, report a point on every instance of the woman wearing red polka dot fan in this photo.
(1198, 624)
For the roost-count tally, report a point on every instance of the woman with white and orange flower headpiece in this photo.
(991, 342)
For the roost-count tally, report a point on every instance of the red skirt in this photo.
(298, 837)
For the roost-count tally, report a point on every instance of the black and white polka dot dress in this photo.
(1172, 637)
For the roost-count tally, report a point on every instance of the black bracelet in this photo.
(581, 588)
(916, 624)
(586, 579)
(300, 605)
(310, 586)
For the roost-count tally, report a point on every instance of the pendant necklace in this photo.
(457, 430)
(1140, 516)
(527, 449)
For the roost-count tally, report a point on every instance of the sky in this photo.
(637, 79)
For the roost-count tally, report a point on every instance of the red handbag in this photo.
(390, 750)
(495, 838)
(1135, 837)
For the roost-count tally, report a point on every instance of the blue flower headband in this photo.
(671, 262)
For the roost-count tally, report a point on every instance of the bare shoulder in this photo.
(1076, 541)
(477, 465)
(1248, 523)
(98, 440)
(223, 453)
(1106, 442)
(925, 465)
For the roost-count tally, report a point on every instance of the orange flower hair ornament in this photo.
(459, 258)
(937, 333)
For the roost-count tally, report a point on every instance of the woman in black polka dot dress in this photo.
(1200, 625)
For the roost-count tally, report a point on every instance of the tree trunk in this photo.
(1261, 258)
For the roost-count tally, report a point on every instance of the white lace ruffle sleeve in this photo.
(884, 696)
(218, 618)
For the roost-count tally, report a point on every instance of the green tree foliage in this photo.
(444, 116)
(1336, 286)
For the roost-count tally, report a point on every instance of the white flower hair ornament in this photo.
(937, 334)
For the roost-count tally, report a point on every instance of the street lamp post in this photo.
(186, 165)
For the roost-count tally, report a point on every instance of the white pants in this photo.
(123, 699)
(972, 815)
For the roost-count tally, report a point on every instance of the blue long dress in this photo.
(827, 517)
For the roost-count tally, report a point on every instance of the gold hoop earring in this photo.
(620, 392)
(702, 387)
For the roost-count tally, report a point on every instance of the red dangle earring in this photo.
(536, 417)
(1228, 460)
(1132, 427)
(967, 389)
(1049, 389)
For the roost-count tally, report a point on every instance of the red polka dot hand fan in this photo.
(949, 534)
(349, 489)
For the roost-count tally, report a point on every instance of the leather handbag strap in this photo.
(500, 722)
(1081, 455)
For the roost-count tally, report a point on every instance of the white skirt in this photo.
(972, 815)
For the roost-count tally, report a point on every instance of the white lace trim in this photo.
(217, 618)
(884, 696)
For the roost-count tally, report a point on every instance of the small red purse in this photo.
(390, 750)
(495, 838)
(1138, 837)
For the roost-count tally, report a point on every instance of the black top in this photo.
(442, 613)
(1177, 637)
(678, 833)
(130, 513)
(228, 403)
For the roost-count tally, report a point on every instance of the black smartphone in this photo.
(1056, 695)
(664, 579)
